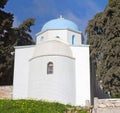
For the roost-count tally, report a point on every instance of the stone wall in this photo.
(106, 105)
(6, 92)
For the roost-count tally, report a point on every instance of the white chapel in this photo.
(56, 68)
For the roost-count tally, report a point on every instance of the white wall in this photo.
(78, 37)
(59, 86)
(82, 70)
(44, 34)
(51, 34)
(65, 35)
(21, 70)
(69, 84)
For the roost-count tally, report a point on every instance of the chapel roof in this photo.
(60, 23)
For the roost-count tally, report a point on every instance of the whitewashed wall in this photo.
(78, 37)
(21, 70)
(52, 34)
(64, 35)
(82, 70)
(59, 86)
(70, 82)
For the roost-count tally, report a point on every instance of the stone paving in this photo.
(6, 92)
(106, 105)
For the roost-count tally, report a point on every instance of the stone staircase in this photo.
(106, 106)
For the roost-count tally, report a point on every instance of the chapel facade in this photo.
(56, 68)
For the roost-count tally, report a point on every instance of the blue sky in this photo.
(79, 11)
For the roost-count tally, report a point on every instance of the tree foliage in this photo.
(10, 37)
(103, 33)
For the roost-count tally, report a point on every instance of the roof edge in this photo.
(26, 46)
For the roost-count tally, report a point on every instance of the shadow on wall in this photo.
(96, 91)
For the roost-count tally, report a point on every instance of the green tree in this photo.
(10, 37)
(103, 33)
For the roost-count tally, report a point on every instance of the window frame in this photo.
(50, 67)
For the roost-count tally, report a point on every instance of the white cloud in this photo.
(44, 7)
(81, 22)
(71, 16)
(92, 6)
(89, 5)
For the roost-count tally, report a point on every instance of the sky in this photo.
(78, 11)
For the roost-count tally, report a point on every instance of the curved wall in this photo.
(59, 86)
(52, 47)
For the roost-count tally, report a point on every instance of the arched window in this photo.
(50, 68)
(41, 39)
(73, 39)
(57, 37)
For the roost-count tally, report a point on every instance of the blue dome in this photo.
(60, 23)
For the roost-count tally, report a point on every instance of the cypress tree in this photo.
(10, 37)
(103, 33)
